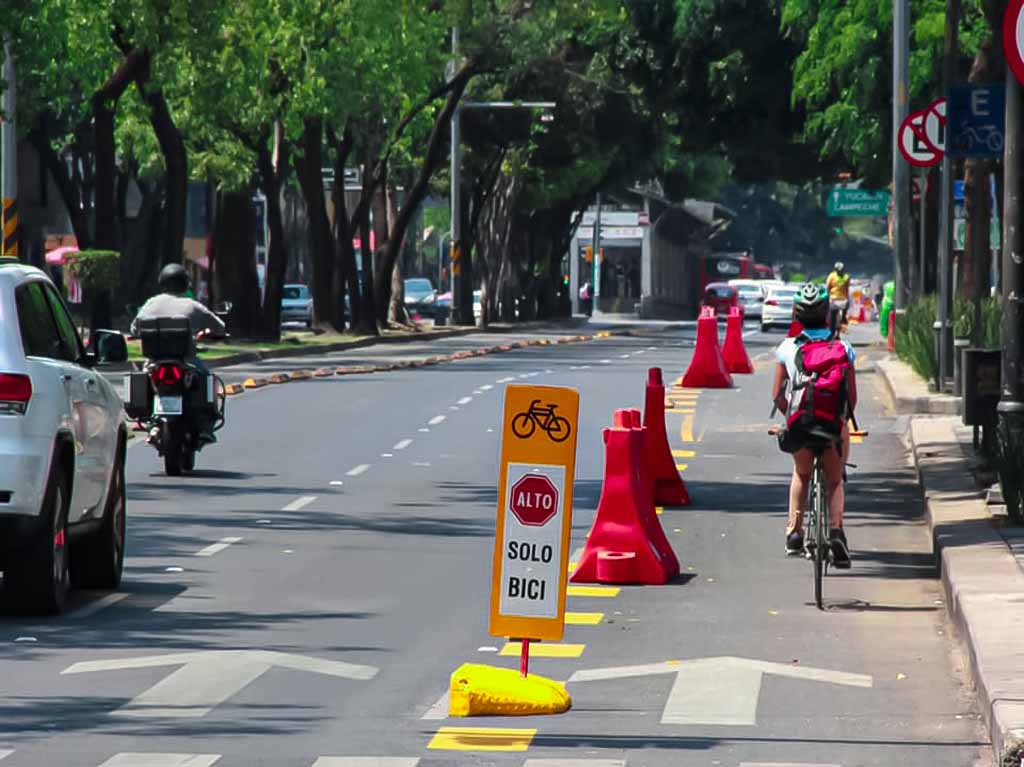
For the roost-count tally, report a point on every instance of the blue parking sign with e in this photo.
(975, 120)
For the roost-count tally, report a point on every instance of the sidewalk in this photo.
(980, 557)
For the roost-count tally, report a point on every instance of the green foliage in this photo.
(915, 337)
(991, 317)
(97, 270)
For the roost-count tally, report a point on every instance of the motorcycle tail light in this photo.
(167, 375)
(15, 393)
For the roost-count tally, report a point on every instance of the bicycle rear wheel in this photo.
(821, 546)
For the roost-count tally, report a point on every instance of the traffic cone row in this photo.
(707, 369)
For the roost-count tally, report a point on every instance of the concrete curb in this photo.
(984, 585)
(910, 393)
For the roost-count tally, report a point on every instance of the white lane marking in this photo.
(487, 648)
(486, 387)
(652, 348)
(424, 430)
(606, 362)
(402, 445)
(300, 503)
(465, 401)
(574, 763)
(787, 764)
(216, 548)
(524, 375)
(94, 607)
(387, 455)
(624, 356)
(367, 761)
(436, 420)
(264, 522)
(506, 379)
(584, 367)
(356, 471)
(640, 351)
(423, 464)
(337, 483)
(138, 759)
(174, 569)
(454, 408)
(6, 752)
(439, 710)
(26, 639)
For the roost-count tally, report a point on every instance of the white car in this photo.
(62, 448)
(751, 296)
(778, 307)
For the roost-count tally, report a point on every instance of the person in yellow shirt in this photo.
(839, 296)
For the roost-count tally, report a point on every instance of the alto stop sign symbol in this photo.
(534, 500)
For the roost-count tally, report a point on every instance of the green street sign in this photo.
(857, 202)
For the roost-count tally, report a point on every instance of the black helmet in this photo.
(810, 307)
(173, 279)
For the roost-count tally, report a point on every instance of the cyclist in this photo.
(811, 310)
(839, 296)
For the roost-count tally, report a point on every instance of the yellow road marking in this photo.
(572, 567)
(689, 410)
(543, 650)
(856, 440)
(659, 510)
(681, 466)
(593, 591)
(683, 453)
(583, 619)
(686, 430)
(482, 739)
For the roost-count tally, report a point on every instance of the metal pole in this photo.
(1011, 402)
(945, 338)
(900, 172)
(918, 288)
(456, 200)
(9, 159)
(596, 242)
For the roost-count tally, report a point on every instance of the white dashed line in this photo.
(387, 455)
(439, 710)
(336, 483)
(402, 445)
(525, 375)
(300, 503)
(355, 472)
(437, 419)
(486, 387)
(584, 367)
(174, 569)
(623, 356)
(422, 464)
(641, 351)
(215, 548)
(606, 362)
(100, 604)
(424, 430)
(506, 379)
(454, 408)
(465, 400)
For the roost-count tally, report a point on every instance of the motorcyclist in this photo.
(839, 296)
(173, 301)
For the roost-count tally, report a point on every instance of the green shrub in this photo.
(798, 277)
(96, 270)
(991, 316)
(915, 341)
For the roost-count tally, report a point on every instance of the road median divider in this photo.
(300, 375)
(667, 487)
(279, 378)
(733, 350)
(255, 383)
(707, 368)
(323, 372)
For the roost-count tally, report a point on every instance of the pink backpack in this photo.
(818, 399)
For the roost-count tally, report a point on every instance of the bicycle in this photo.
(555, 426)
(817, 547)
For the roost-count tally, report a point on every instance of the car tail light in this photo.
(167, 375)
(15, 392)
(771, 302)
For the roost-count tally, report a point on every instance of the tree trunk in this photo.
(396, 307)
(269, 326)
(321, 239)
(978, 211)
(234, 248)
(344, 277)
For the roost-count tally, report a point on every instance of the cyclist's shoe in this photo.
(840, 550)
(794, 544)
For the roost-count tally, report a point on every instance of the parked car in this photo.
(778, 307)
(751, 296)
(720, 296)
(444, 301)
(420, 296)
(297, 305)
(62, 447)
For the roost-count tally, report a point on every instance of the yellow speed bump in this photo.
(255, 383)
(233, 389)
(479, 690)
(301, 375)
(323, 372)
(278, 378)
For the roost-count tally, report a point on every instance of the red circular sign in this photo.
(534, 500)
(1013, 37)
(912, 142)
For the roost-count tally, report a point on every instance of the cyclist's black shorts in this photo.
(797, 438)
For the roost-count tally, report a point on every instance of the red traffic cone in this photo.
(668, 487)
(733, 351)
(655, 532)
(707, 368)
(624, 545)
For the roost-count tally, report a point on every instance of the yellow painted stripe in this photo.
(856, 440)
(544, 650)
(572, 567)
(681, 466)
(686, 430)
(687, 411)
(482, 739)
(684, 453)
(583, 619)
(593, 591)
(659, 510)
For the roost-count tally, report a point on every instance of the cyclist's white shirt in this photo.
(785, 353)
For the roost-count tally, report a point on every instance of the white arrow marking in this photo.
(718, 691)
(136, 759)
(208, 678)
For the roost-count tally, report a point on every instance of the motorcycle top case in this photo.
(166, 337)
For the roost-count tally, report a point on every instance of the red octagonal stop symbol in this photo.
(534, 500)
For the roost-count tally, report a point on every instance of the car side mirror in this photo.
(110, 347)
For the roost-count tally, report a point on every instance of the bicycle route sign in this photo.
(975, 120)
(534, 520)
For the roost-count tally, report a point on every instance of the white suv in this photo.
(62, 448)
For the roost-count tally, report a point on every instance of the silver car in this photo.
(778, 307)
(62, 447)
(297, 305)
(751, 296)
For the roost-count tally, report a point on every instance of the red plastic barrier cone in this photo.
(733, 351)
(655, 532)
(626, 543)
(891, 340)
(707, 369)
(668, 487)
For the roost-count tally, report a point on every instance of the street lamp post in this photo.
(9, 158)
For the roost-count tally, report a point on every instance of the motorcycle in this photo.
(172, 398)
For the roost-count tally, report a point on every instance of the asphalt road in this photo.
(303, 597)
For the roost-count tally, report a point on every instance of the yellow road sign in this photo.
(531, 539)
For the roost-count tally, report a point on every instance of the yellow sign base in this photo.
(479, 690)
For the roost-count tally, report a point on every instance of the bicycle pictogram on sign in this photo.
(526, 423)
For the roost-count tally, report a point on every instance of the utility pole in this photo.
(945, 307)
(459, 313)
(900, 170)
(596, 242)
(9, 159)
(1011, 402)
